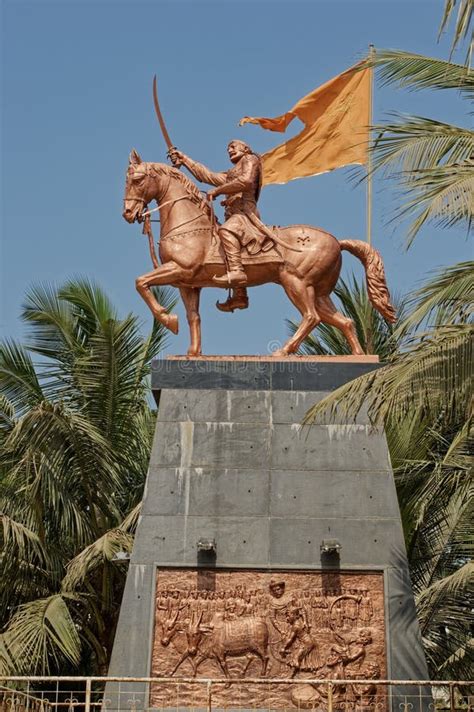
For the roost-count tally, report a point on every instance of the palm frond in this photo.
(407, 69)
(423, 380)
(448, 297)
(18, 379)
(101, 551)
(443, 195)
(412, 143)
(75, 435)
(92, 306)
(7, 415)
(7, 666)
(130, 522)
(458, 454)
(50, 321)
(463, 23)
(15, 535)
(41, 634)
(442, 611)
(57, 449)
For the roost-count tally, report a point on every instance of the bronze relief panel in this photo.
(249, 624)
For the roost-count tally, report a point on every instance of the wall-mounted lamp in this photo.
(330, 546)
(207, 545)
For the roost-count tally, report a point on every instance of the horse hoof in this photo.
(192, 354)
(280, 353)
(172, 323)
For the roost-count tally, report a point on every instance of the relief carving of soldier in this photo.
(300, 634)
(279, 602)
(241, 185)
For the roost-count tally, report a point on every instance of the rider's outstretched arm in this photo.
(200, 171)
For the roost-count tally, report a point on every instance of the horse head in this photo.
(140, 187)
(150, 181)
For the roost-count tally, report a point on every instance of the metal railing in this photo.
(133, 694)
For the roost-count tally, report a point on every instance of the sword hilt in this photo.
(176, 164)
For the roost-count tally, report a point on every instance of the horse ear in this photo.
(134, 157)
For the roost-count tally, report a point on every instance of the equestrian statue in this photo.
(196, 251)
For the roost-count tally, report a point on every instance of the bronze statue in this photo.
(241, 185)
(305, 260)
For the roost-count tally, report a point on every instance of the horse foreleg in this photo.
(190, 297)
(302, 297)
(165, 274)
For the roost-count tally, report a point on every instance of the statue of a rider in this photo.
(241, 185)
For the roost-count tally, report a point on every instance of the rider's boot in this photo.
(236, 276)
(238, 300)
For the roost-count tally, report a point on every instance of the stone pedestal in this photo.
(231, 465)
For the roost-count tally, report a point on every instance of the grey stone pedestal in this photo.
(231, 463)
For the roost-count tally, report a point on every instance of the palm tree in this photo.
(463, 23)
(433, 162)
(375, 335)
(423, 396)
(75, 435)
(423, 399)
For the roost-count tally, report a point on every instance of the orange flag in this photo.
(336, 116)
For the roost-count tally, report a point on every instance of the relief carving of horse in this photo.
(307, 262)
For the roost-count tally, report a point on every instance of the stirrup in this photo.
(233, 278)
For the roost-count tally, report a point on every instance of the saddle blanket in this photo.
(215, 256)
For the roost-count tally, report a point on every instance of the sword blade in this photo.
(159, 115)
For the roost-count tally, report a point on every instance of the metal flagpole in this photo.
(369, 158)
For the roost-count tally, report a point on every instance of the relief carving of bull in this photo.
(219, 639)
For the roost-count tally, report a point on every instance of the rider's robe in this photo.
(242, 189)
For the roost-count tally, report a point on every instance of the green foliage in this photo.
(423, 398)
(463, 23)
(407, 69)
(75, 435)
(432, 162)
(415, 143)
(42, 634)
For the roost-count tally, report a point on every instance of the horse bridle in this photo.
(145, 214)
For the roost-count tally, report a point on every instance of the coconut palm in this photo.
(75, 435)
(432, 162)
(423, 399)
(462, 25)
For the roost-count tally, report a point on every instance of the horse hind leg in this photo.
(330, 315)
(190, 297)
(302, 297)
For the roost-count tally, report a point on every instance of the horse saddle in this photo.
(254, 251)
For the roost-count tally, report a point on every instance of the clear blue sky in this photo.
(76, 97)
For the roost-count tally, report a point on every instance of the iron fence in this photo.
(136, 694)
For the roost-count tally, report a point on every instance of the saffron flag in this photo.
(336, 116)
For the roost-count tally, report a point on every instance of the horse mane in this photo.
(190, 187)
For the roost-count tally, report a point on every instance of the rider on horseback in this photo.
(241, 185)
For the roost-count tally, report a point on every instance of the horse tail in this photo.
(374, 274)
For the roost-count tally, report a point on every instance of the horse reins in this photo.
(147, 229)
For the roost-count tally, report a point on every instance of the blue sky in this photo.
(76, 97)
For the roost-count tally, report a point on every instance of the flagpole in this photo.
(369, 157)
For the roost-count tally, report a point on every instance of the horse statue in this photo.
(305, 260)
